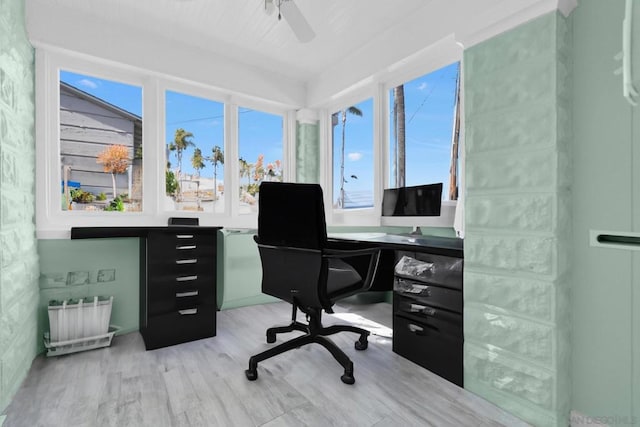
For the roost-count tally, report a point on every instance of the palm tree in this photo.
(356, 112)
(453, 168)
(245, 170)
(181, 141)
(399, 133)
(197, 161)
(217, 157)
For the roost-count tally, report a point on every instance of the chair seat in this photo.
(341, 277)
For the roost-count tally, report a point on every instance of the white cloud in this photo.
(88, 83)
(422, 86)
(355, 156)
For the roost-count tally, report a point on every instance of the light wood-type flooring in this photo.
(202, 383)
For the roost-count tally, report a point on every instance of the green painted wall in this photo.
(18, 256)
(518, 220)
(307, 152)
(58, 258)
(606, 295)
(239, 271)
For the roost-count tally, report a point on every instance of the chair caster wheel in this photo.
(251, 374)
(360, 345)
(348, 379)
(271, 338)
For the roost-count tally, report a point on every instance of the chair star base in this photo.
(314, 333)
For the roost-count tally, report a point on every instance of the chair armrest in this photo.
(373, 254)
(346, 253)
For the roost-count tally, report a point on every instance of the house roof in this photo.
(94, 99)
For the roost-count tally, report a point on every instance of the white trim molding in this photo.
(307, 116)
(567, 6)
(508, 15)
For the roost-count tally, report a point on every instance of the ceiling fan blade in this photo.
(297, 21)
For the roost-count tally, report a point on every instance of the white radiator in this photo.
(78, 326)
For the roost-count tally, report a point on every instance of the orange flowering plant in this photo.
(114, 159)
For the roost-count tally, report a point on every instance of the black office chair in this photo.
(300, 268)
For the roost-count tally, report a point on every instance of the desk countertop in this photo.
(450, 246)
(100, 232)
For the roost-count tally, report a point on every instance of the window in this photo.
(96, 153)
(424, 131)
(260, 151)
(425, 95)
(194, 133)
(100, 153)
(352, 142)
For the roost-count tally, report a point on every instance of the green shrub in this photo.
(171, 183)
(115, 205)
(253, 188)
(80, 196)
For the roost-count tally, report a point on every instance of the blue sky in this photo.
(429, 105)
(125, 96)
(259, 132)
(429, 108)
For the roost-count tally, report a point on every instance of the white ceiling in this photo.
(242, 30)
(352, 36)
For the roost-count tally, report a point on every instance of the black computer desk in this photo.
(425, 274)
(395, 244)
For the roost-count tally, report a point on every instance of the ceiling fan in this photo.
(288, 10)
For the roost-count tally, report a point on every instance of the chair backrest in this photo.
(291, 215)
(291, 235)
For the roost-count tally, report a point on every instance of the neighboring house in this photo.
(88, 125)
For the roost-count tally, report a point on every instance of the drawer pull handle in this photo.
(417, 308)
(188, 311)
(186, 278)
(406, 287)
(187, 261)
(186, 294)
(418, 289)
(185, 247)
(184, 236)
(415, 328)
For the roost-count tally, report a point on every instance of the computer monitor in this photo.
(419, 200)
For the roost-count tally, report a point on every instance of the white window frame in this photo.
(436, 56)
(199, 91)
(360, 216)
(53, 222)
(288, 149)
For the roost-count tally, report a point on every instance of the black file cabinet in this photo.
(427, 312)
(177, 285)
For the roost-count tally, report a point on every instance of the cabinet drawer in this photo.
(429, 268)
(182, 267)
(165, 297)
(435, 296)
(179, 326)
(181, 282)
(435, 350)
(434, 318)
(171, 246)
